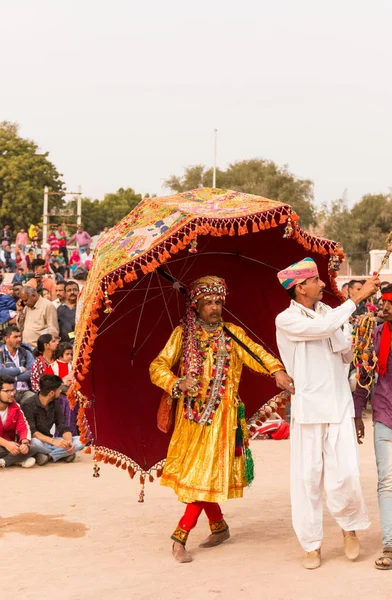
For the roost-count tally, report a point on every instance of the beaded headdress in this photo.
(207, 286)
(200, 288)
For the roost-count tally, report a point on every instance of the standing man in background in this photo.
(83, 239)
(382, 418)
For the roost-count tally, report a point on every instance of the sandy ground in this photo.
(67, 536)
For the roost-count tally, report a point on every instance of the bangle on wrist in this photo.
(176, 391)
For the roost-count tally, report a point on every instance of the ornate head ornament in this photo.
(206, 287)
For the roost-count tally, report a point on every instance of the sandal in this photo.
(384, 563)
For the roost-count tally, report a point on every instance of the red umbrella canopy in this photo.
(128, 308)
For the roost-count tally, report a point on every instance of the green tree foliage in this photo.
(24, 172)
(97, 214)
(256, 176)
(363, 228)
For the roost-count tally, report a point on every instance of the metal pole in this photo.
(214, 167)
(45, 215)
(79, 205)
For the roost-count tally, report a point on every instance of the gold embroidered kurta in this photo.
(201, 464)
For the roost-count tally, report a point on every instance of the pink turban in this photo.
(298, 272)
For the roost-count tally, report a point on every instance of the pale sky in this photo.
(124, 93)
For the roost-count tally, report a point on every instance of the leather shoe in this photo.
(215, 539)
(351, 546)
(180, 553)
(312, 560)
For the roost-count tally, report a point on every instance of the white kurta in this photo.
(324, 454)
(314, 351)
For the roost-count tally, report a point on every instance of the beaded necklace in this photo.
(202, 409)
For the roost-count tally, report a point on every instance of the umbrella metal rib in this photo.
(140, 316)
(250, 331)
(164, 300)
(152, 329)
(129, 311)
(122, 299)
(277, 269)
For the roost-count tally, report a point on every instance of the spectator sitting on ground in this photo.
(7, 308)
(42, 412)
(20, 261)
(29, 258)
(16, 362)
(66, 313)
(62, 238)
(86, 259)
(16, 290)
(63, 368)
(36, 248)
(15, 436)
(34, 315)
(47, 345)
(74, 261)
(40, 281)
(8, 258)
(80, 274)
(58, 267)
(60, 293)
(19, 276)
(6, 236)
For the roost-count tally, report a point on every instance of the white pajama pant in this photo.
(325, 457)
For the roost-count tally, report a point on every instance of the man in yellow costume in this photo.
(208, 459)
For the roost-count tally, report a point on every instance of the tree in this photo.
(97, 214)
(363, 228)
(256, 176)
(24, 172)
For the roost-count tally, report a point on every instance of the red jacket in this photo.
(16, 424)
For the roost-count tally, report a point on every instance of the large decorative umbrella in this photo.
(129, 305)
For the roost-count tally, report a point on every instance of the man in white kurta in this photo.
(324, 453)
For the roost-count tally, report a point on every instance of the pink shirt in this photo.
(21, 239)
(82, 238)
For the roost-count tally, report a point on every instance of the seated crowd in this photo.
(37, 424)
(37, 317)
(18, 255)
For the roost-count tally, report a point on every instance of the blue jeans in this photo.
(53, 451)
(383, 448)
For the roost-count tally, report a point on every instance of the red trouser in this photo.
(193, 511)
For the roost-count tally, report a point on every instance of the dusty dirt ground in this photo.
(67, 536)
